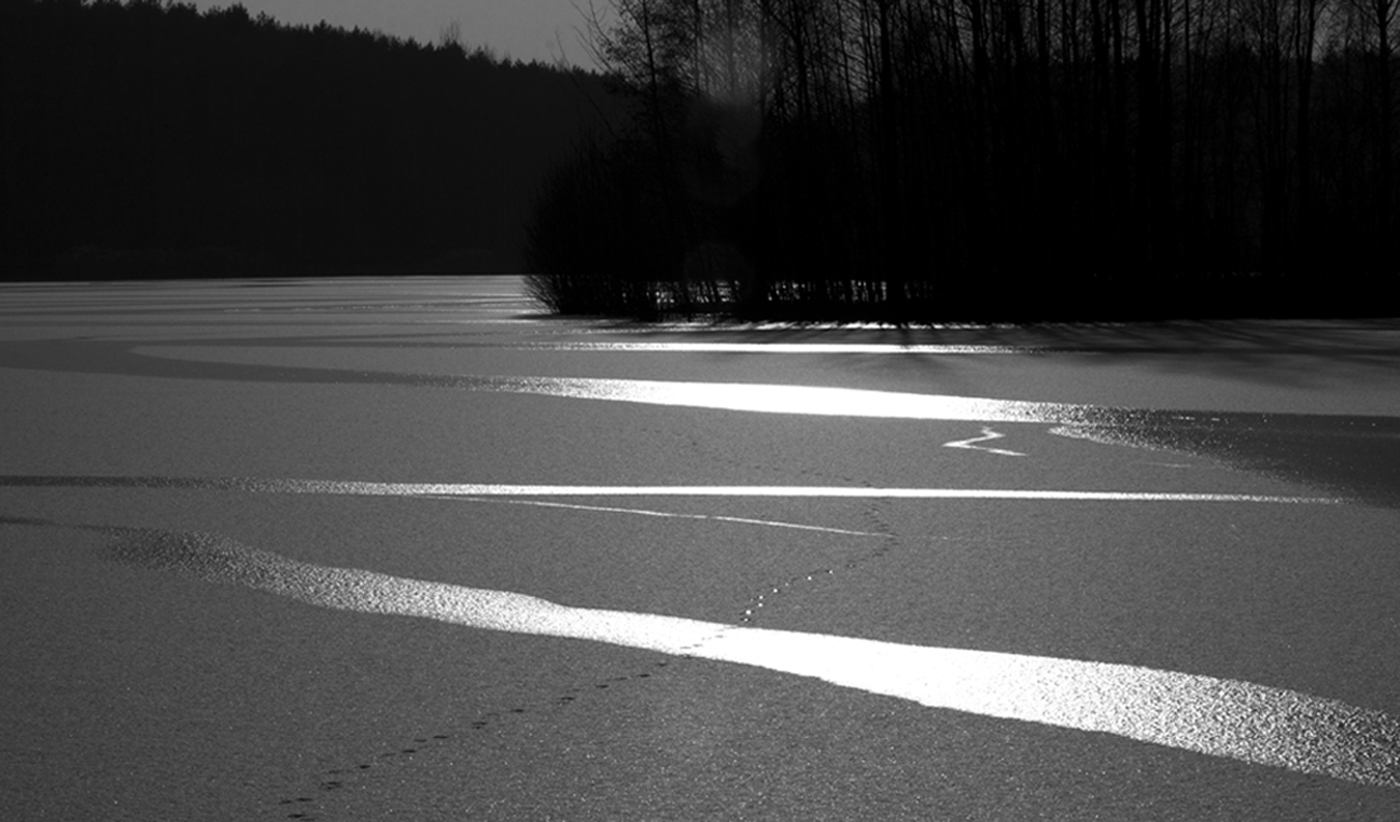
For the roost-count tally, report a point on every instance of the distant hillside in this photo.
(149, 139)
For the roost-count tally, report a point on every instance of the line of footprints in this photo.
(303, 807)
(753, 609)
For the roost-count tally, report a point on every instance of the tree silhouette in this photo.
(897, 157)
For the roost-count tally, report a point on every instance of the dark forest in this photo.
(149, 139)
(812, 159)
(987, 159)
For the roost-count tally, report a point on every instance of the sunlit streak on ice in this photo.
(800, 399)
(777, 348)
(796, 491)
(451, 489)
(1219, 717)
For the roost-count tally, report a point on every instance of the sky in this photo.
(520, 29)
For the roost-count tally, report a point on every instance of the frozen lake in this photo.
(343, 549)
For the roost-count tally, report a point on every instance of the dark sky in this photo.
(521, 29)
